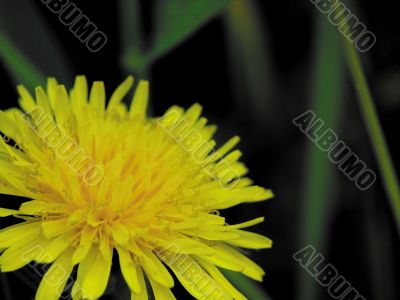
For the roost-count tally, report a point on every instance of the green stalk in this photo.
(374, 128)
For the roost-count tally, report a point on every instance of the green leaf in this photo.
(375, 131)
(20, 67)
(176, 20)
(132, 40)
(25, 29)
(250, 64)
(327, 99)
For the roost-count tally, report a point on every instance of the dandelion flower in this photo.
(104, 180)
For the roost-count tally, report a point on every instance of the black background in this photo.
(197, 71)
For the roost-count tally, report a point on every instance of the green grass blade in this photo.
(176, 20)
(20, 67)
(327, 87)
(375, 131)
(249, 62)
(22, 23)
(132, 40)
(246, 286)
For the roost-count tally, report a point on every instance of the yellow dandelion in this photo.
(104, 179)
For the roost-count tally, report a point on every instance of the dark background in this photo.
(359, 234)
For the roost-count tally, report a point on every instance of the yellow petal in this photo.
(120, 233)
(8, 126)
(247, 224)
(37, 207)
(213, 233)
(96, 279)
(161, 292)
(98, 97)
(247, 266)
(223, 198)
(250, 240)
(8, 189)
(105, 247)
(128, 269)
(156, 270)
(225, 148)
(43, 101)
(79, 95)
(221, 280)
(20, 253)
(140, 99)
(195, 280)
(193, 113)
(52, 86)
(190, 246)
(13, 234)
(53, 228)
(55, 279)
(55, 248)
(63, 107)
(143, 289)
(87, 236)
(83, 269)
(26, 101)
(5, 212)
(120, 93)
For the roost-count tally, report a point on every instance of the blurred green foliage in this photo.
(24, 36)
(174, 22)
(375, 131)
(327, 98)
(19, 66)
(249, 61)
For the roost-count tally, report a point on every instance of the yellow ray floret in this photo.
(104, 179)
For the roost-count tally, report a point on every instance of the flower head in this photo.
(103, 177)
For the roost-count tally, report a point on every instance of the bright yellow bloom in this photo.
(103, 178)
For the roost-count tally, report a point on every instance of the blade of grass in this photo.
(249, 62)
(327, 89)
(374, 129)
(26, 29)
(22, 70)
(133, 59)
(132, 41)
(248, 287)
(176, 20)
